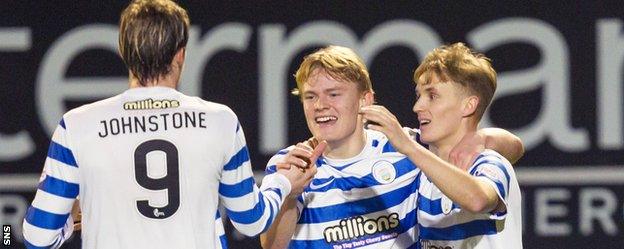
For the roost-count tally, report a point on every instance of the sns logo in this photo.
(158, 213)
(6, 235)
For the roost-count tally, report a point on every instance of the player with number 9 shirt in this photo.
(151, 165)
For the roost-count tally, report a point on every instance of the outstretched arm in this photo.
(48, 221)
(252, 210)
(283, 228)
(472, 194)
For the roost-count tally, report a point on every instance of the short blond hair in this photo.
(340, 63)
(463, 66)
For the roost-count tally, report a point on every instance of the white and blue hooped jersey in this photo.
(151, 166)
(368, 201)
(443, 224)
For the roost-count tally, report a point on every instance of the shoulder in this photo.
(92, 108)
(491, 156)
(208, 106)
(378, 142)
(492, 164)
(215, 111)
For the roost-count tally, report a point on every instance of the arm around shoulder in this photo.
(504, 142)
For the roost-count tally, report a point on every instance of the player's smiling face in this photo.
(331, 108)
(439, 110)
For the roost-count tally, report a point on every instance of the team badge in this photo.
(384, 172)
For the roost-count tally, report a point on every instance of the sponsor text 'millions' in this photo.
(151, 104)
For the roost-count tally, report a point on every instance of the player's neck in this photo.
(169, 80)
(348, 147)
(442, 148)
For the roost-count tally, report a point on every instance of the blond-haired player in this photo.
(477, 208)
(365, 193)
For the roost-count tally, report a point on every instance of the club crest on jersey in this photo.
(384, 172)
(151, 104)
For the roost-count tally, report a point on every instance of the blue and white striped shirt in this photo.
(150, 166)
(368, 201)
(444, 224)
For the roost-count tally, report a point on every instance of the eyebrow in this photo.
(428, 88)
(338, 88)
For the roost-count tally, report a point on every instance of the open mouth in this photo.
(325, 120)
(424, 122)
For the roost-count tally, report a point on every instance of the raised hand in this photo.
(303, 157)
(467, 150)
(378, 118)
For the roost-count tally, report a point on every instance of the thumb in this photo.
(318, 151)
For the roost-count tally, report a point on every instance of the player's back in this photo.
(149, 162)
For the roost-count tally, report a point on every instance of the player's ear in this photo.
(470, 105)
(367, 99)
(179, 56)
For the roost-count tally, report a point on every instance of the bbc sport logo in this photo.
(6, 235)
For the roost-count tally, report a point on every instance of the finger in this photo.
(303, 151)
(309, 176)
(303, 162)
(375, 127)
(387, 113)
(283, 165)
(460, 160)
(460, 163)
(312, 169)
(298, 157)
(300, 162)
(76, 207)
(77, 226)
(312, 142)
(464, 165)
(309, 158)
(373, 117)
(287, 165)
(304, 146)
(453, 158)
(470, 160)
(318, 151)
(293, 171)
